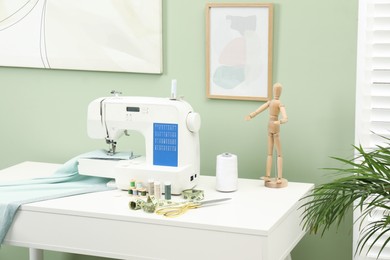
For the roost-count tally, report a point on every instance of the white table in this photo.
(258, 223)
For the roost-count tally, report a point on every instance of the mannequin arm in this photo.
(257, 111)
(284, 117)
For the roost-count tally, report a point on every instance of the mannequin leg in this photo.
(269, 158)
(280, 158)
(268, 168)
(280, 169)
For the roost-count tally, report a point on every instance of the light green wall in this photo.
(43, 112)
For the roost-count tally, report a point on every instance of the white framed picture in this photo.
(239, 50)
(98, 35)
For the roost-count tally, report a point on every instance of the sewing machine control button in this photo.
(193, 122)
(144, 110)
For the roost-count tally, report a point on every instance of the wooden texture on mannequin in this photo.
(275, 108)
(273, 183)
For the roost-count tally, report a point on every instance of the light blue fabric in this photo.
(64, 182)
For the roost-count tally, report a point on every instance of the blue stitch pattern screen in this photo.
(165, 144)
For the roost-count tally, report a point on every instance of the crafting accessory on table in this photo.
(227, 172)
(66, 181)
(150, 205)
(167, 190)
(132, 184)
(142, 192)
(137, 189)
(177, 210)
(192, 194)
(151, 186)
(136, 205)
(157, 189)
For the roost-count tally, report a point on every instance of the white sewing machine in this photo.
(171, 131)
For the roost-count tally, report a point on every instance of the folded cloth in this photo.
(64, 182)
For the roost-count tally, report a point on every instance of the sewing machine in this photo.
(171, 131)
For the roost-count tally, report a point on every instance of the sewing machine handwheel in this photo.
(193, 122)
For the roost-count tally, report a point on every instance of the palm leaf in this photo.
(363, 183)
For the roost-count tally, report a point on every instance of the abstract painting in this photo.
(239, 51)
(101, 35)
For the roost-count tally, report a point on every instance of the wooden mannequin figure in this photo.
(275, 108)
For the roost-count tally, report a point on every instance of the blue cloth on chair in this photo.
(64, 182)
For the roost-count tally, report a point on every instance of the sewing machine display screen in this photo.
(132, 109)
(165, 144)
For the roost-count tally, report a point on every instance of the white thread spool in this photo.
(173, 89)
(157, 190)
(226, 172)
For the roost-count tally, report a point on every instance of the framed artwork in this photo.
(104, 35)
(239, 50)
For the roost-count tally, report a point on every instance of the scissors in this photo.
(177, 210)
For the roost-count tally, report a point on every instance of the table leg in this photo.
(35, 254)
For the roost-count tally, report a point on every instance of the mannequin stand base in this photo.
(272, 183)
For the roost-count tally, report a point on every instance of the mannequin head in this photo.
(277, 90)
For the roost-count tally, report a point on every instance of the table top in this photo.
(253, 208)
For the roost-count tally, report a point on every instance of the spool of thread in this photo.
(173, 89)
(132, 184)
(167, 190)
(138, 185)
(157, 190)
(151, 187)
(226, 172)
(142, 192)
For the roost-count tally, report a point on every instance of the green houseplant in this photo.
(364, 183)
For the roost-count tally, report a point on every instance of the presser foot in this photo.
(111, 147)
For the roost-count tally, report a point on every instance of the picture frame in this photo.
(104, 35)
(239, 39)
